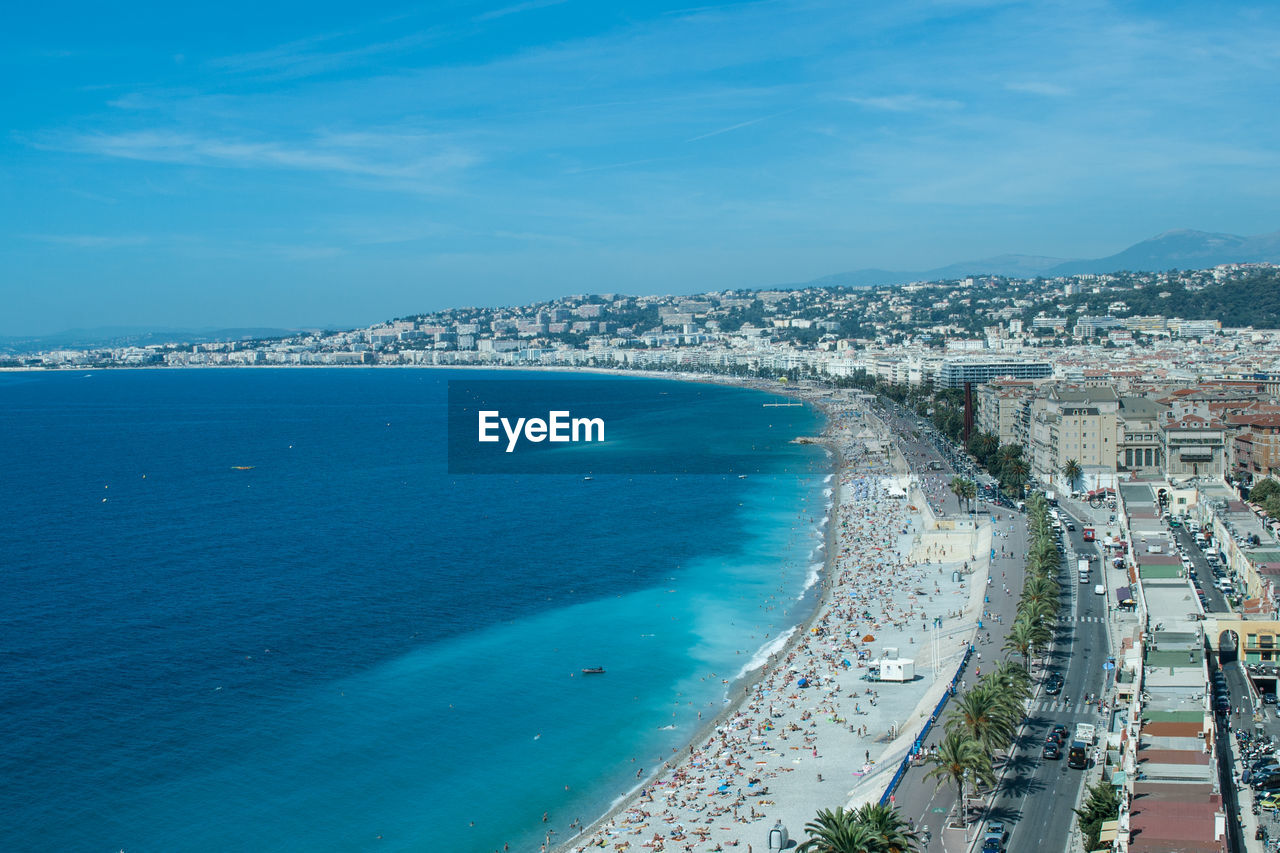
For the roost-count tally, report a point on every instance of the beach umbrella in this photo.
(868, 638)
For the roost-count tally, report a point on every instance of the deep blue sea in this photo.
(345, 647)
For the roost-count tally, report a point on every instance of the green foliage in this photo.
(1252, 301)
(873, 828)
(960, 757)
(1102, 804)
(1263, 490)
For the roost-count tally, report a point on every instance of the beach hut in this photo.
(897, 669)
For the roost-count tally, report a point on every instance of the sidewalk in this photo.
(921, 800)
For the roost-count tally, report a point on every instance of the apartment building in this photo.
(1193, 440)
(1003, 409)
(1138, 447)
(1073, 423)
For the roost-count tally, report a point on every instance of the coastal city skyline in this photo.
(327, 167)
(645, 427)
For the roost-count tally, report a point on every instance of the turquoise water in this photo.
(345, 647)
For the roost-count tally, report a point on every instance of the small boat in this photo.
(593, 670)
(241, 467)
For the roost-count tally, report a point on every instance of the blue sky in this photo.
(291, 164)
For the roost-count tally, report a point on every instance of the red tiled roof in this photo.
(1172, 756)
(1163, 729)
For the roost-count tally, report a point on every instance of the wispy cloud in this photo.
(90, 241)
(319, 54)
(739, 125)
(517, 9)
(906, 103)
(1036, 87)
(607, 166)
(394, 156)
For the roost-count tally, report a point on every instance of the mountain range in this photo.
(1183, 249)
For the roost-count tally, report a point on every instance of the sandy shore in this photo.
(808, 730)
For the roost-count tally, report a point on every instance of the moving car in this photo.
(1053, 686)
(1051, 751)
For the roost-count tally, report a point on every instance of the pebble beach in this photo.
(812, 728)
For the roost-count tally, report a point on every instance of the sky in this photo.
(289, 164)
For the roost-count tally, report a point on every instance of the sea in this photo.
(252, 609)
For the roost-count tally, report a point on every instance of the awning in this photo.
(1205, 453)
(1124, 595)
(1118, 779)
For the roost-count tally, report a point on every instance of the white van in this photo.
(1100, 589)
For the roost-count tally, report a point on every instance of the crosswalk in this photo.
(1090, 619)
(1063, 706)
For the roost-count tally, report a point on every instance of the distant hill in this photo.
(1181, 250)
(124, 336)
(1171, 250)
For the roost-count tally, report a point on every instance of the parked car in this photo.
(1267, 782)
(1270, 801)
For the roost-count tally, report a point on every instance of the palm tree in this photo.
(970, 492)
(957, 487)
(984, 715)
(988, 444)
(958, 757)
(1009, 452)
(886, 823)
(1072, 472)
(838, 831)
(1015, 472)
(1021, 640)
(1012, 678)
(1041, 587)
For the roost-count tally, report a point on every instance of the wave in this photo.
(815, 570)
(762, 655)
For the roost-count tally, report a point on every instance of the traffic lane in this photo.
(1037, 803)
(1217, 602)
(1038, 800)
